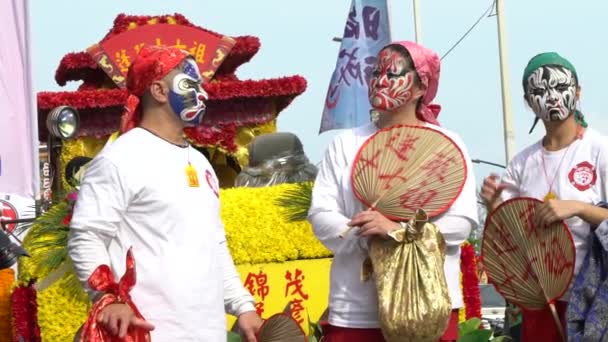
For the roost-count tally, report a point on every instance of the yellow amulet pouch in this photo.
(413, 299)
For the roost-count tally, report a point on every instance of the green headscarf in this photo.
(552, 58)
(544, 59)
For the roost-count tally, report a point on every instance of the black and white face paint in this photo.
(551, 93)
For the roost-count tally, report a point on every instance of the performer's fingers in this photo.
(488, 189)
(113, 325)
(141, 323)
(551, 219)
(500, 188)
(491, 179)
(363, 228)
(367, 215)
(359, 221)
(369, 232)
(356, 217)
(363, 213)
(123, 326)
(367, 226)
(547, 218)
(539, 216)
(540, 212)
(106, 320)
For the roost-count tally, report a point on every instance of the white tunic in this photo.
(135, 194)
(578, 172)
(353, 303)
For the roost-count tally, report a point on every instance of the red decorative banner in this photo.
(115, 55)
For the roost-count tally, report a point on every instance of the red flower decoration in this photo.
(282, 88)
(67, 219)
(25, 314)
(221, 135)
(470, 281)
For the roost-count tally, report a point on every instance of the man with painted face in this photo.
(401, 89)
(567, 169)
(151, 191)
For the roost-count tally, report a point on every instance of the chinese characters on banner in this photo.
(304, 284)
(294, 291)
(257, 284)
(366, 32)
(115, 55)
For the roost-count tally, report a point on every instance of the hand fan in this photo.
(402, 169)
(530, 266)
(281, 328)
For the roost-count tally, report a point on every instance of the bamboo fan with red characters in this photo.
(402, 169)
(530, 266)
(281, 328)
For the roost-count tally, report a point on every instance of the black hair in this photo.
(406, 55)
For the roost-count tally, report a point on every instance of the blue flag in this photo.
(366, 32)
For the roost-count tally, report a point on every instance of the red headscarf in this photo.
(152, 64)
(427, 64)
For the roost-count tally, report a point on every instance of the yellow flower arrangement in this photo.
(60, 316)
(462, 312)
(7, 278)
(257, 231)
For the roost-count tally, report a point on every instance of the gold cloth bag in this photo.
(413, 299)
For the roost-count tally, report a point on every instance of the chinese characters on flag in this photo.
(366, 32)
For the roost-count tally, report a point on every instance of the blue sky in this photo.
(296, 39)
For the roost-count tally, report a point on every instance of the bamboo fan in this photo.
(281, 328)
(405, 168)
(530, 266)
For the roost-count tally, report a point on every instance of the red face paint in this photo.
(391, 84)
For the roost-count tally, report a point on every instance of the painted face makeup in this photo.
(186, 96)
(391, 84)
(551, 93)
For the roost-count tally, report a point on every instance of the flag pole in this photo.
(509, 135)
(417, 24)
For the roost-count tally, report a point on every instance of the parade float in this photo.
(277, 255)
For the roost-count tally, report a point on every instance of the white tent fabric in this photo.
(19, 165)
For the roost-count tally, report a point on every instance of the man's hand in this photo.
(118, 318)
(249, 325)
(491, 191)
(556, 210)
(371, 222)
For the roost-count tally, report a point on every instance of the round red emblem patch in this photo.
(8, 212)
(583, 176)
